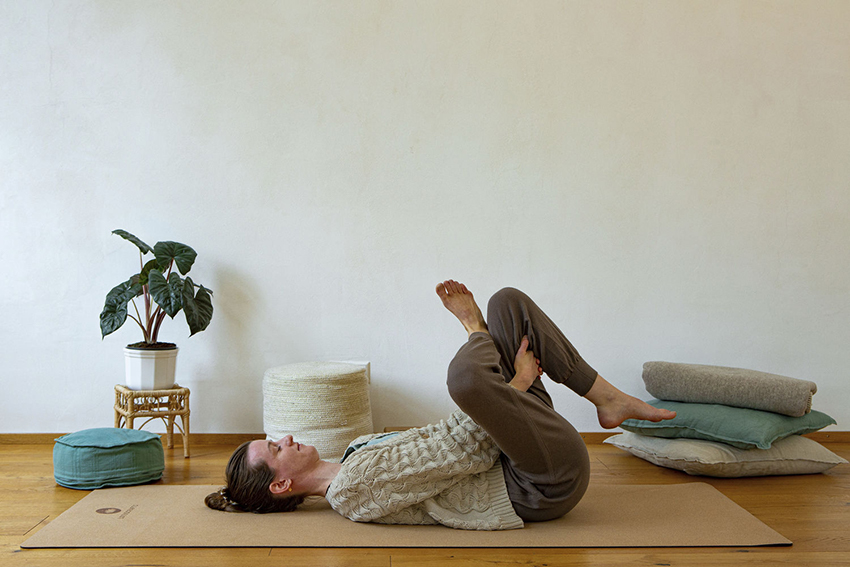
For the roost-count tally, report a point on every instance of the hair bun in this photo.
(221, 501)
(216, 501)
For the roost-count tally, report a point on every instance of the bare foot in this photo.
(613, 407)
(459, 300)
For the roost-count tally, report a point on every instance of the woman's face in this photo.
(288, 459)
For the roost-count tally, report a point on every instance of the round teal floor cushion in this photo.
(107, 456)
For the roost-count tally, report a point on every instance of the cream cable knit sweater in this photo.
(448, 473)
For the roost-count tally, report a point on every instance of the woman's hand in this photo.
(527, 367)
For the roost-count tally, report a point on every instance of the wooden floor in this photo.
(813, 511)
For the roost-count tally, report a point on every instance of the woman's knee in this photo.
(504, 300)
(461, 379)
(473, 369)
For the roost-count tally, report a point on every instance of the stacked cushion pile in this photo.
(730, 422)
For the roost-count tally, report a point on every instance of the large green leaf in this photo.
(167, 294)
(144, 248)
(151, 265)
(182, 255)
(197, 307)
(115, 307)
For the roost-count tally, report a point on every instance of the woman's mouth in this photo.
(299, 446)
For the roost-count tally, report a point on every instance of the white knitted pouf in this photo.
(325, 404)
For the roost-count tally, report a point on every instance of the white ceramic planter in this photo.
(150, 369)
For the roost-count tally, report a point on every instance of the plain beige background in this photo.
(668, 179)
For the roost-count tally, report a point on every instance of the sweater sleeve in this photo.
(382, 479)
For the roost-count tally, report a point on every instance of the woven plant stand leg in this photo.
(185, 420)
(169, 431)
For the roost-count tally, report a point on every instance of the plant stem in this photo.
(146, 294)
(138, 320)
(152, 324)
(144, 332)
(155, 320)
(159, 320)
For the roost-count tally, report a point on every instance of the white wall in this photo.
(668, 179)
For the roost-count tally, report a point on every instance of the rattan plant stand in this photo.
(154, 404)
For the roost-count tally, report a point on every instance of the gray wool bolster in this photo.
(736, 387)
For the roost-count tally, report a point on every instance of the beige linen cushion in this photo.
(792, 455)
(736, 387)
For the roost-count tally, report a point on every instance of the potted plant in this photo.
(150, 364)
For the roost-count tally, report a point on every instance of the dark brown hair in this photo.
(247, 488)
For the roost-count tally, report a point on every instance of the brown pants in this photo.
(544, 459)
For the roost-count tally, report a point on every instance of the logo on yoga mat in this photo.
(108, 510)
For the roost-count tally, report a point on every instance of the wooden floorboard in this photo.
(813, 511)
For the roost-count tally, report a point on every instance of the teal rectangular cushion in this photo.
(740, 427)
(102, 457)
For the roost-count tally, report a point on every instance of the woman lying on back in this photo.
(504, 457)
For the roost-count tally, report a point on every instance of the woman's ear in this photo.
(281, 486)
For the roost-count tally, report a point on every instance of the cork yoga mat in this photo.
(678, 515)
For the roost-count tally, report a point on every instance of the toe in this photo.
(441, 290)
